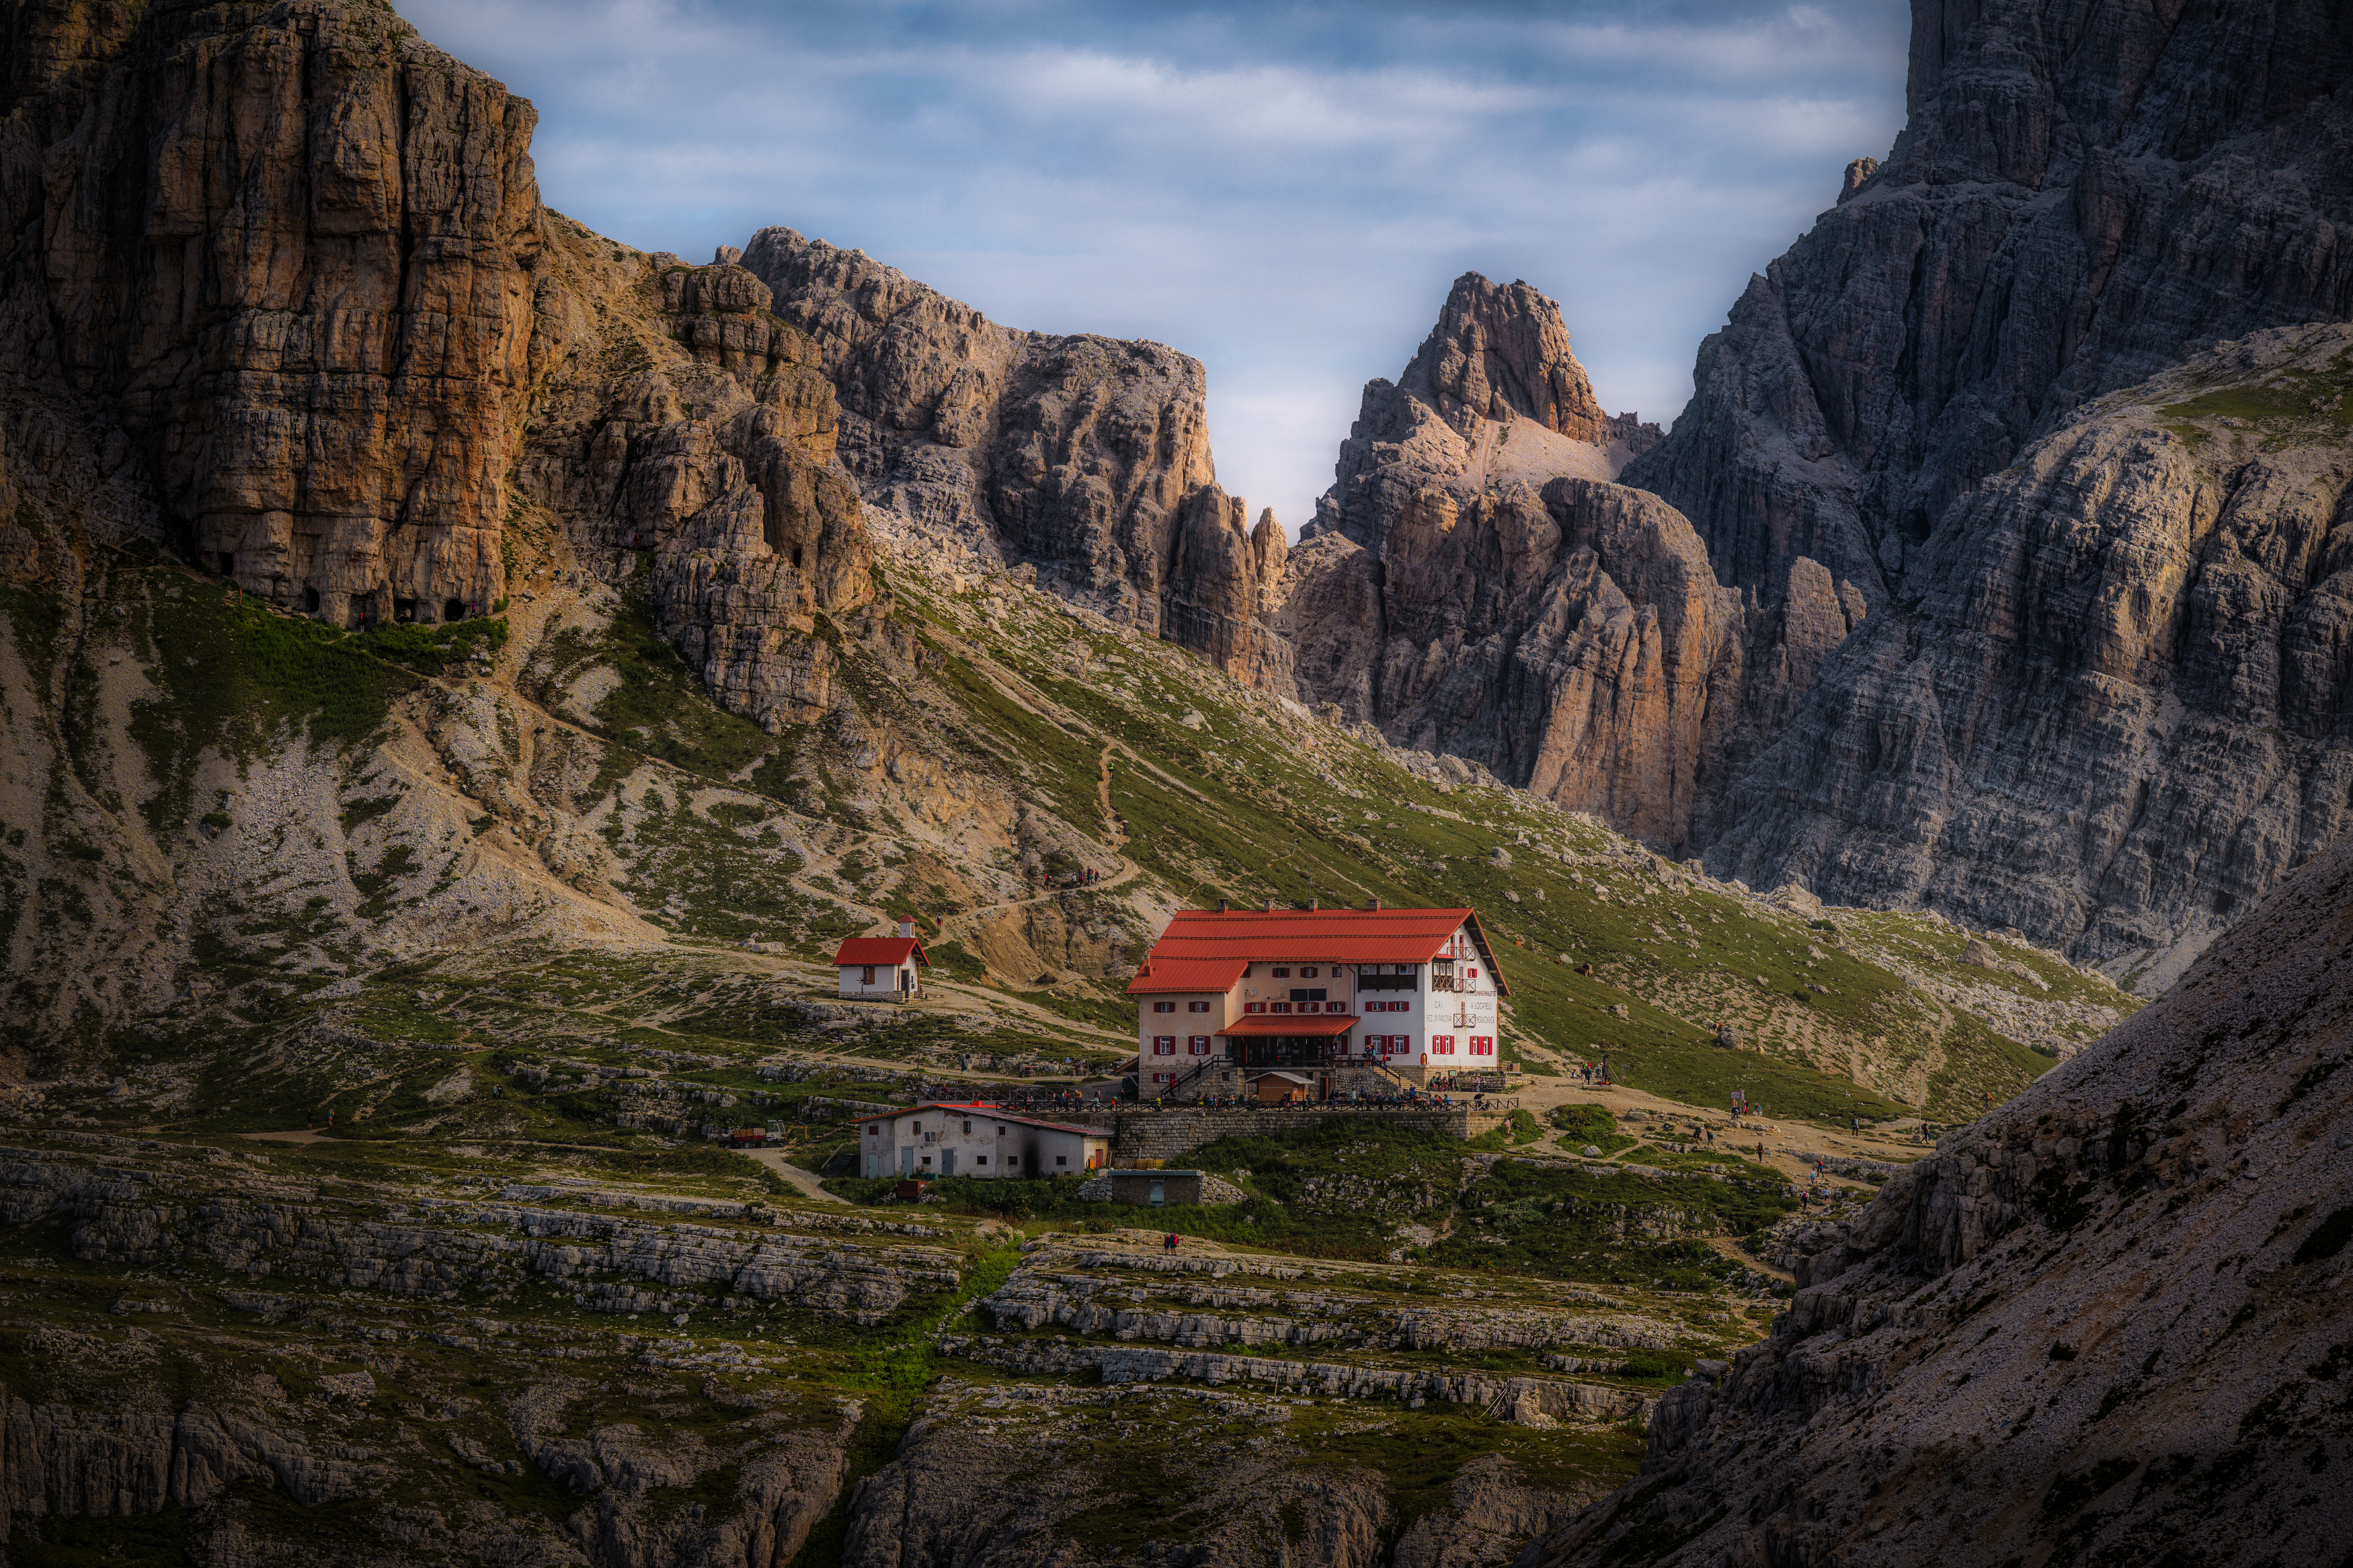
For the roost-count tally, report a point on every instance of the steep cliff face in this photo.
(2082, 198)
(2119, 712)
(2081, 193)
(291, 249)
(684, 418)
(2103, 1324)
(1474, 585)
(1086, 457)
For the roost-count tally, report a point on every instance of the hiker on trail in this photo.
(1854, 1124)
(1171, 1243)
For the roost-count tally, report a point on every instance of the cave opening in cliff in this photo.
(453, 610)
(228, 564)
(796, 557)
(404, 611)
(310, 601)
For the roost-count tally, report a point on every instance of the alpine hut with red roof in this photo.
(1288, 995)
(882, 968)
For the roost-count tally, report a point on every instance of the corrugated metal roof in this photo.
(1242, 937)
(981, 1107)
(864, 950)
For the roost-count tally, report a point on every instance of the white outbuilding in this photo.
(976, 1139)
(882, 968)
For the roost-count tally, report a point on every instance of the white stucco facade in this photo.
(976, 1140)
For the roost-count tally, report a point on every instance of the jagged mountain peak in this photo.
(1499, 352)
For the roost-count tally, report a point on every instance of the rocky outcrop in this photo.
(290, 250)
(2079, 201)
(1571, 640)
(130, 1216)
(2110, 1308)
(2117, 713)
(1473, 583)
(1493, 394)
(1018, 1474)
(684, 419)
(2078, 198)
(1086, 456)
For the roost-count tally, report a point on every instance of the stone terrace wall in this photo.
(1166, 1134)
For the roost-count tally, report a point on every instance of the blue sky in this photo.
(1283, 191)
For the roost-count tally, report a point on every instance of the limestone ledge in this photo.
(1531, 1401)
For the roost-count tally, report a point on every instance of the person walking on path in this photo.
(1170, 1244)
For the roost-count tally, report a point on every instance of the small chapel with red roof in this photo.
(882, 968)
(1290, 996)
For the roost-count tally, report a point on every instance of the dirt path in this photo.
(1784, 1141)
(803, 1182)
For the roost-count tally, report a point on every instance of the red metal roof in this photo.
(1212, 976)
(1311, 1023)
(979, 1108)
(1237, 938)
(880, 950)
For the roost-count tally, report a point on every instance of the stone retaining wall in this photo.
(1147, 1134)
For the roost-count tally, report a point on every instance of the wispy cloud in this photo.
(1283, 190)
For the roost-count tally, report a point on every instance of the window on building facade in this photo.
(866, 977)
(1196, 1045)
(873, 1131)
(1164, 1045)
(1308, 972)
(980, 1159)
(1164, 1006)
(1279, 1007)
(1197, 1006)
(1253, 1006)
(967, 1129)
(1062, 1159)
(1282, 975)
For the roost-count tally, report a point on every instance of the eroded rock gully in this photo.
(2082, 198)
(2115, 713)
(2105, 1323)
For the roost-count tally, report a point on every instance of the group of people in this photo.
(1595, 1073)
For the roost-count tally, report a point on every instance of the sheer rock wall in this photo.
(2123, 707)
(291, 248)
(1086, 456)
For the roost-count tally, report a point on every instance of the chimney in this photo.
(1374, 906)
(906, 925)
(1314, 904)
(1224, 907)
(1270, 907)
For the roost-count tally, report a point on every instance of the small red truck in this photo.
(748, 1138)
